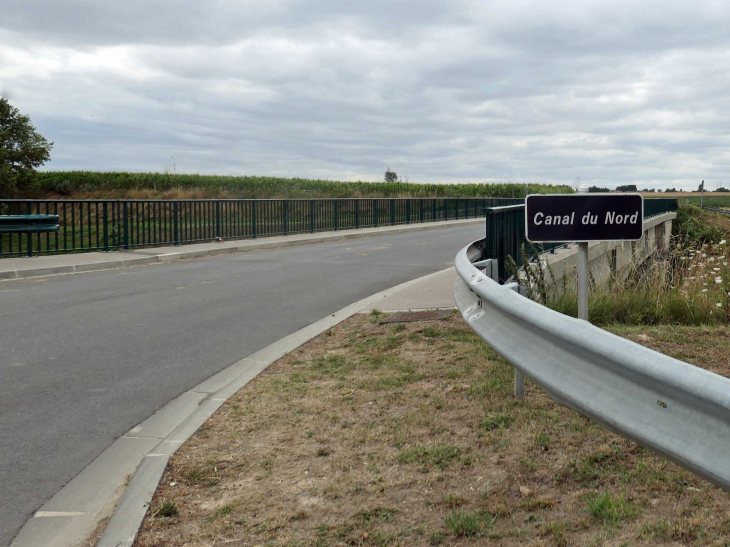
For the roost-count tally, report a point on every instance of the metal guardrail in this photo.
(716, 209)
(678, 410)
(105, 225)
(28, 224)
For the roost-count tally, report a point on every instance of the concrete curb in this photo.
(68, 518)
(238, 246)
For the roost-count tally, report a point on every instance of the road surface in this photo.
(84, 358)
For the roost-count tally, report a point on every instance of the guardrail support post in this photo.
(311, 215)
(421, 212)
(392, 211)
(336, 212)
(218, 219)
(357, 213)
(254, 227)
(519, 388)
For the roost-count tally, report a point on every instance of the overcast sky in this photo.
(612, 92)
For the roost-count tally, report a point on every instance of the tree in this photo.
(391, 176)
(722, 189)
(22, 150)
(595, 189)
(627, 188)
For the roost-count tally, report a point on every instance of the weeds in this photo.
(468, 524)
(609, 508)
(437, 455)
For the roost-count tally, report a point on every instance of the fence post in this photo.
(375, 211)
(420, 205)
(218, 219)
(311, 216)
(336, 210)
(28, 235)
(125, 221)
(285, 211)
(392, 211)
(254, 227)
(408, 210)
(106, 227)
(175, 223)
(357, 213)
(433, 209)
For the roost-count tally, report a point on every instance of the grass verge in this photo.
(408, 435)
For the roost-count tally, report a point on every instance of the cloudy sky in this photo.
(612, 92)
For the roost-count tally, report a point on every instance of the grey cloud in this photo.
(613, 92)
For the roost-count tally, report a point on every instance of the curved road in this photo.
(84, 358)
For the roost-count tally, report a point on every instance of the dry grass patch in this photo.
(408, 435)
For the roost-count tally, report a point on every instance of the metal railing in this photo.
(506, 232)
(105, 225)
(716, 209)
(678, 410)
(659, 206)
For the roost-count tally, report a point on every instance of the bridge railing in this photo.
(105, 225)
(506, 232)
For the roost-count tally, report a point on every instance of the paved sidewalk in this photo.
(41, 266)
(431, 292)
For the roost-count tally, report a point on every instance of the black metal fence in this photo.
(506, 232)
(106, 225)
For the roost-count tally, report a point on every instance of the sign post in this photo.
(702, 196)
(583, 218)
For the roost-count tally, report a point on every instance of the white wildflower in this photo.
(722, 242)
(692, 278)
(718, 280)
(716, 269)
(704, 290)
(718, 305)
(704, 255)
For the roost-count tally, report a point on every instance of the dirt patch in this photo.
(408, 434)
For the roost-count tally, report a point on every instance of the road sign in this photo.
(584, 217)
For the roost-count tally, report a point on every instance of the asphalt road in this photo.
(84, 358)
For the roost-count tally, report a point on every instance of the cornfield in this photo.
(121, 184)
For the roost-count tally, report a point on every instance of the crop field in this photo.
(94, 184)
(719, 199)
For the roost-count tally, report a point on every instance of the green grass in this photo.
(497, 421)
(469, 523)
(436, 455)
(70, 182)
(609, 508)
(168, 510)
